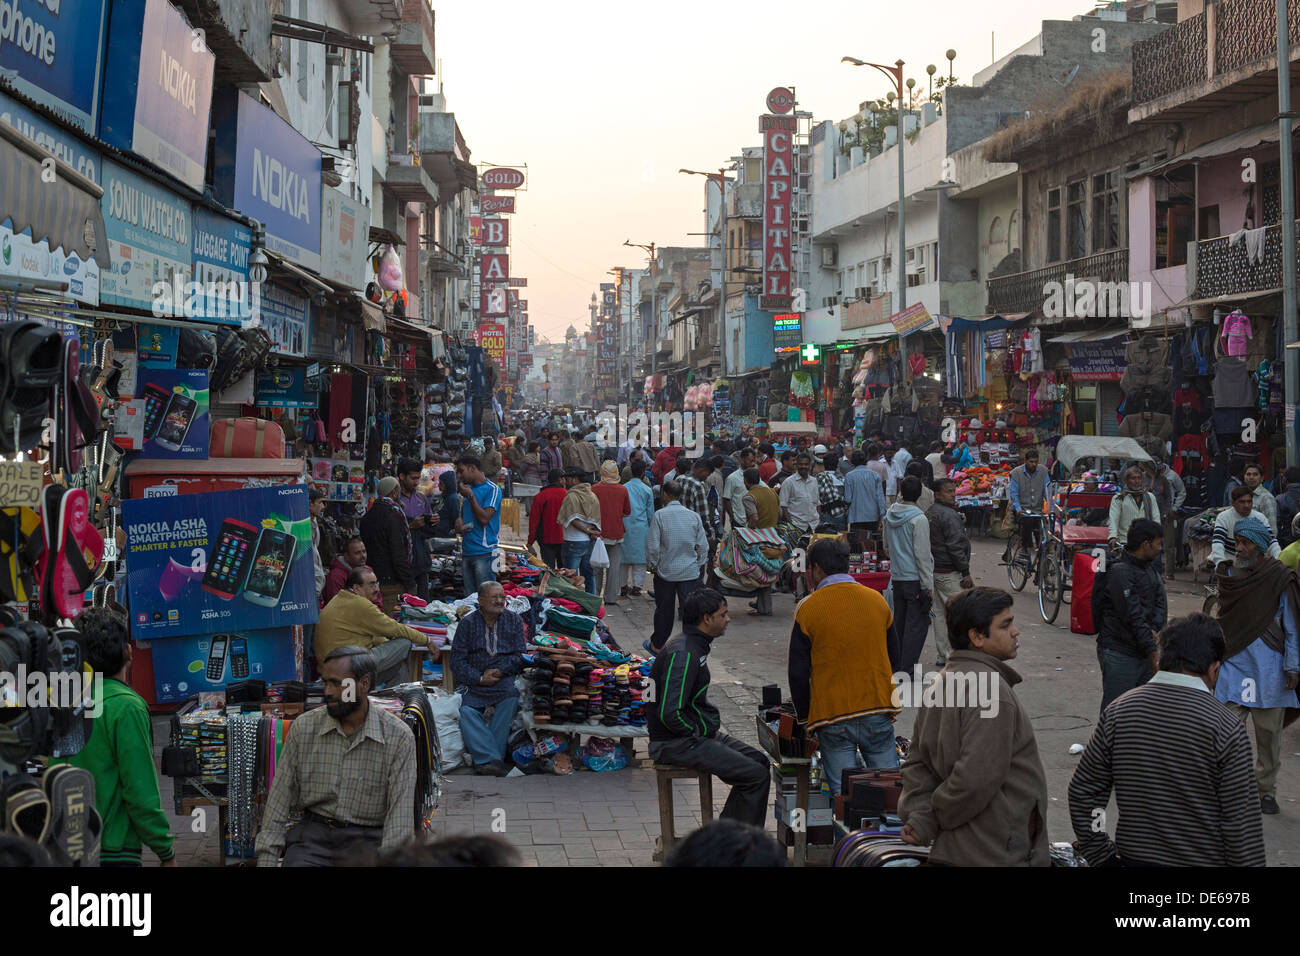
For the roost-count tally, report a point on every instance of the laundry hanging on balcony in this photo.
(1254, 240)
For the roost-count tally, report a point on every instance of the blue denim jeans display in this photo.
(476, 569)
(871, 735)
(577, 557)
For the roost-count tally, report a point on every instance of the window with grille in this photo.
(1053, 225)
(1105, 211)
(1076, 219)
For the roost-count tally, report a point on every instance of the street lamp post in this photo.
(895, 73)
(720, 177)
(654, 309)
(1291, 368)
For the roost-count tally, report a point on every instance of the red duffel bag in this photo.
(246, 438)
(1085, 576)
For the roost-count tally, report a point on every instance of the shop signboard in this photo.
(491, 338)
(22, 258)
(220, 250)
(778, 201)
(496, 204)
(1097, 361)
(205, 663)
(148, 230)
(221, 562)
(161, 84)
(517, 282)
(911, 319)
(475, 228)
(496, 232)
(512, 362)
(270, 172)
(284, 316)
(787, 331)
(285, 387)
(344, 228)
(54, 139)
(176, 419)
(494, 267)
(503, 178)
(52, 51)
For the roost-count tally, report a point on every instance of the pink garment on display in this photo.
(1236, 330)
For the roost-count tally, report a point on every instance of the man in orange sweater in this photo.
(842, 653)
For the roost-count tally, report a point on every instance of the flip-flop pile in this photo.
(58, 813)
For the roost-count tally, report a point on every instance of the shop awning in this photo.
(372, 314)
(284, 266)
(1229, 298)
(986, 323)
(1091, 335)
(65, 213)
(1243, 139)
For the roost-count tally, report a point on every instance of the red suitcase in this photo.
(246, 438)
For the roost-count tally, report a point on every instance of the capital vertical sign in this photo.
(778, 188)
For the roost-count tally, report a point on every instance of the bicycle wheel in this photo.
(1211, 606)
(1017, 566)
(1051, 583)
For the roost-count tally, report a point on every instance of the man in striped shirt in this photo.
(1224, 547)
(1171, 729)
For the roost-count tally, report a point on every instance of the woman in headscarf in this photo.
(614, 507)
(449, 509)
(636, 526)
(533, 472)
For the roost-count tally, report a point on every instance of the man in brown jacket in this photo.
(973, 784)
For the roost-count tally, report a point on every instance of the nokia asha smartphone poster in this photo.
(206, 663)
(219, 563)
(176, 423)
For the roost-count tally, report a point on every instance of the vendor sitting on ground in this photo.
(352, 618)
(486, 655)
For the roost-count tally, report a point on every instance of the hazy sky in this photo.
(605, 101)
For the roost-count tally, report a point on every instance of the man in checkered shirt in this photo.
(695, 497)
(347, 773)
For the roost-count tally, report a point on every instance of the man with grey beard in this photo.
(1258, 601)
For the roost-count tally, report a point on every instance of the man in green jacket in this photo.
(119, 754)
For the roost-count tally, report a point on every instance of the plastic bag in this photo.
(446, 717)
(390, 270)
(601, 754)
(599, 555)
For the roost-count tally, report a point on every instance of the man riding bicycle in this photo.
(1025, 495)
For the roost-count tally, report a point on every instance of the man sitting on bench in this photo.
(684, 726)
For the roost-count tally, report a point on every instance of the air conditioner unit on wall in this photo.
(334, 55)
(830, 256)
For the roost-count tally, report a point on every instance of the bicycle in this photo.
(1020, 561)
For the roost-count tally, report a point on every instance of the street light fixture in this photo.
(895, 73)
(654, 308)
(721, 179)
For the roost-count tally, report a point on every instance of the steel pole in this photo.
(1292, 357)
(902, 195)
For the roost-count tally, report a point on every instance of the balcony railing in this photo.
(1169, 60)
(1224, 268)
(1178, 59)
(413, 47)
(1026, 291)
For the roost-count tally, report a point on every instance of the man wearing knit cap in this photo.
(387, 537)
(1259, 597)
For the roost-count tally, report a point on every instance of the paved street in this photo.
(612, 819)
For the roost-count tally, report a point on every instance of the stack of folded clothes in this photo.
(562, 699)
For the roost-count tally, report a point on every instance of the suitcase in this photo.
(246, 438)
(1085, 574)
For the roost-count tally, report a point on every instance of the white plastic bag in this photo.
(446, 717)
(599, 555)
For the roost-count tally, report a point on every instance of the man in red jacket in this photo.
(353, 556)
(544, 519)
(665, 461)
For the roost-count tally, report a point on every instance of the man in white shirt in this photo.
(799, 495)
(935, 458)
(733, 489)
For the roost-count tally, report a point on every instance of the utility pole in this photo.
(895, 73)
(654, 309)
(1292, 357)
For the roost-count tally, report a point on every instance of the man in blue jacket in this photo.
(685, 728)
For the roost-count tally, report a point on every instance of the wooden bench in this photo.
(665, 774)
